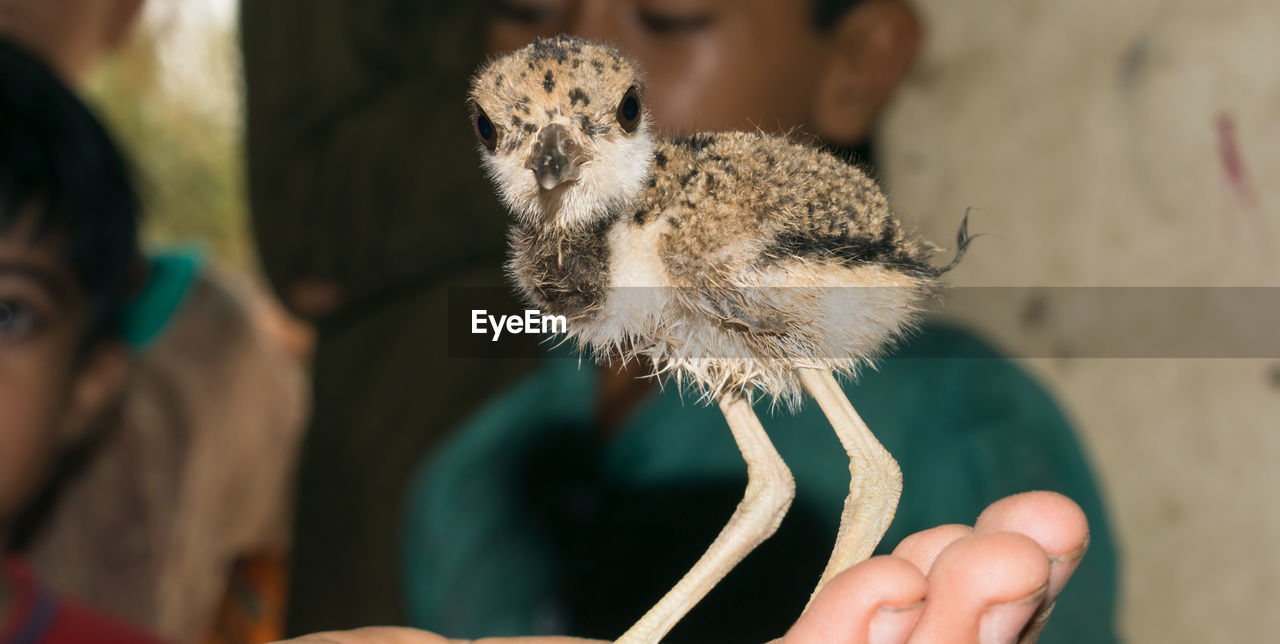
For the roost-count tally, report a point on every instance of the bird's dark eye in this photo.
(629, 110)
(485, 130)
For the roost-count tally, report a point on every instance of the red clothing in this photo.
(39, 618)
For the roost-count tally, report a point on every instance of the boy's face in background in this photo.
(49, 386)
(737, 64)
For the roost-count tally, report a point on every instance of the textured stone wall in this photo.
(1104, 143)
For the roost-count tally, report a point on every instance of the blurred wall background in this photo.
(1123, 144)
(173, 95)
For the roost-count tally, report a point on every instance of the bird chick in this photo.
(747, 243)
(738, 263)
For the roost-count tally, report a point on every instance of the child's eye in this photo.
(672, 25)
(17, 320)
(524, 13)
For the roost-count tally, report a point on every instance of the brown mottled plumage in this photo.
(739, 263)
(733, 224)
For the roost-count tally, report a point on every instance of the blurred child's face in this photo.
(71, 34)
(49, 387)
(710, 64)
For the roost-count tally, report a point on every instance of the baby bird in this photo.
(741, 264)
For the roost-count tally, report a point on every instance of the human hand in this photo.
(993, 583)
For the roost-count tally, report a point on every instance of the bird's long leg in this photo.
(875, 480)
(770, 489)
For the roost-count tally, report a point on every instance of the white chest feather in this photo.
(633, 255)
(638, 283)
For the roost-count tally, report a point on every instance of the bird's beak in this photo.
(556, 157)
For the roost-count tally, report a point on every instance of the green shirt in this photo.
(525, 523)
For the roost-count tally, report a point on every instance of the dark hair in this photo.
(826, 13)
(58, 162)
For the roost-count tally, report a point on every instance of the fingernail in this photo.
(1001, 624)
(893, 624)
(1070, 557)
(1061, 567)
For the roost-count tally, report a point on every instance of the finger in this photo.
(373, 635)
(394, 635)
(528, 640)
(1051, 520)
(875, 602)
(923, 547)
(983, 588)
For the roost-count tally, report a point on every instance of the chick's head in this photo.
(562, 130)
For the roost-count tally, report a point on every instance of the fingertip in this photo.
(1052, 520)
(923, 548)
(884, 580)
(995, 567)
(980, 575)
(843, 611)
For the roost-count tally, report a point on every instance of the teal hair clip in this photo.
(171, 276)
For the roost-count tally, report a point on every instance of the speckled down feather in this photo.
(737, 257)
